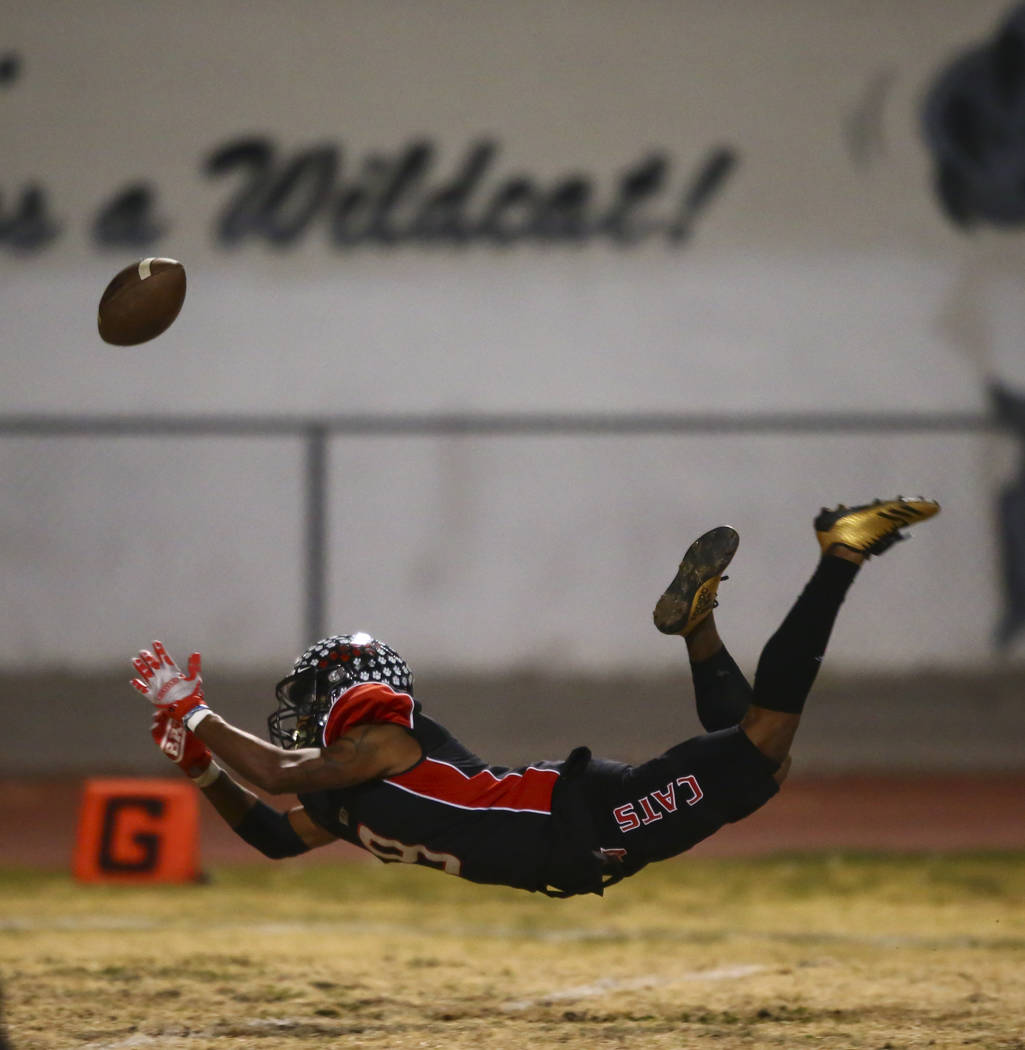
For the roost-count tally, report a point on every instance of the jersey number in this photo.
(399, 852)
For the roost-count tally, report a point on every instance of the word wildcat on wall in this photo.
(393, 199)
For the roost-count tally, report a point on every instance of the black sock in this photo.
(792, 656)
(721, 691)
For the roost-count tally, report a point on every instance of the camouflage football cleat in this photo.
(874, 527)
(691, 595)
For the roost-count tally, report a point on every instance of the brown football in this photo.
(141, 301)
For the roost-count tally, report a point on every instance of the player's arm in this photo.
(365, 752)
(273, 833)
(362, 753)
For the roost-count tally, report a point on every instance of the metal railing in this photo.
(317, 430)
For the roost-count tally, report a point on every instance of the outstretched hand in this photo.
(166, 686)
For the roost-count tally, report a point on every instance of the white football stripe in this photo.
(146, 265)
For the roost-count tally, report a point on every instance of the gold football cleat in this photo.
(872, 528)
(691, 596)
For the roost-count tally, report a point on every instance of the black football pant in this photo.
(665, 806)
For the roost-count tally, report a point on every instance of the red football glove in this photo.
(186, 751)
(164, 684)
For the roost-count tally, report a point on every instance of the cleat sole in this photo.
(691, 596)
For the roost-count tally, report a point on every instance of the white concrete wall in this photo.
(822, 278)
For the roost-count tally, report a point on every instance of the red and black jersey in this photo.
(451, 811)
(559, 827)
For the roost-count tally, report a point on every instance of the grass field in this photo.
(845, 951)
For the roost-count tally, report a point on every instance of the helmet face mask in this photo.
(321, 675)
(303, 706)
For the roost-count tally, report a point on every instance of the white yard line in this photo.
(603, 986)
(571, 934)
(132, 1040)
(625, 984)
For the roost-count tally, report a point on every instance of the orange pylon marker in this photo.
(134, 829)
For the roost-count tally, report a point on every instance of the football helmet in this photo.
(321, 675)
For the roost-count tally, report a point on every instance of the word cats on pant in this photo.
(653, 806)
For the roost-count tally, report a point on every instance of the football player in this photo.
(368, 766)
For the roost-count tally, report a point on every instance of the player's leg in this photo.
(791, 658)
(721, 691)
(666, 805)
